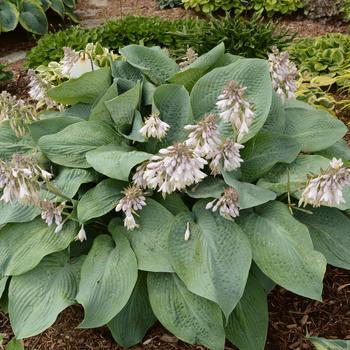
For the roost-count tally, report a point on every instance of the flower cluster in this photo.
(327, 188)
(235, 109)
(132, 201)
(17, 112)
(283, 74)
(228, 204)
(189, 58)
(52, 213)
(20, 179)
(154, 127)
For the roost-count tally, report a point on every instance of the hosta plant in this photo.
(30, 14)
(172, 194)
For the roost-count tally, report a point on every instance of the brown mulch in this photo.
(291, 318)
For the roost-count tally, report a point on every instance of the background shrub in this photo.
(316, 9)
(169, 3)
(251, 38)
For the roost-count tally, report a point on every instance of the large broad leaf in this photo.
(283, 250)
(3, 282)
(116, 161)
(153, 62)
(173, 202)
(69, 180)
(58, 7)
(32, 17)
(189, 76)
(85, 89)
(69, 146)
(190, 317)
(108, 277)
(124, 70)
(10, 143)
(264, 151)
(314, 129)
(248, 323)
(131, 324)
(100, 199)
(339, 150)
(99, 110)
(252, 73)
(8, 16)
(17, 212)
(150, 240)
(214, 262)
(329, 344)
(329, 230)
(122, 108)
(22, 246)
(173, 104)
(276, 120)
(293, 177)
(37, 297)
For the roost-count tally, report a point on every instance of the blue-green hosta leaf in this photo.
(38, 296)
(70, 179)
(329, 344)
(122, 108)
(32, 17)
(150, 240)
(189, 317)
(116, 161)
(252, 73)
(85, 89)
(135, 134)
(189, 76)
(153, 62)
(173, 202)
(131, 324)
(276, 120)
(264, 151)
(329, 230)
(339, 150)
(3, 282)
(22, 246)
(17, 212)
(124, 70)
(314, 129)
(69, 146)
(293, 177)
(108, 277)
(283, 250)
(248, 323)
(99, 111)
(173, 103)
(8, 16)
(100, 200)
(220, 277)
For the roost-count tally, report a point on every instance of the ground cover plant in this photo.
(30, 14)
(252, 38)
(5, 73)
(169, 192)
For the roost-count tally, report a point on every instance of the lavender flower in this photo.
(70, 58)
(51, 213)
(228, 204)
(235, 108)
(327, 188)
(189, 58)
(132, 201)
(175, 168)
(154, 127)
(283, 74)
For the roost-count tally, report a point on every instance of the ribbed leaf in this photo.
(329, 230)
(69, 146)
(131, 324)
(85, 89)
(252, 73)
(108, 277)
(100, 199)
(37, 297)
(329, 344)
(17, 212)
(22, 246)
(153, 62)
(248, 323)
(190, 317)
(150, 240)
(220, 277)
(283, 250)
(3, 282)
(276, 120)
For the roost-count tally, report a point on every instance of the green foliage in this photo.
(325, 9)
(169, 3)
(30, 14)
(183, 264)
(268, 6)
(4, 73)
(329, 344)
(253, 38)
